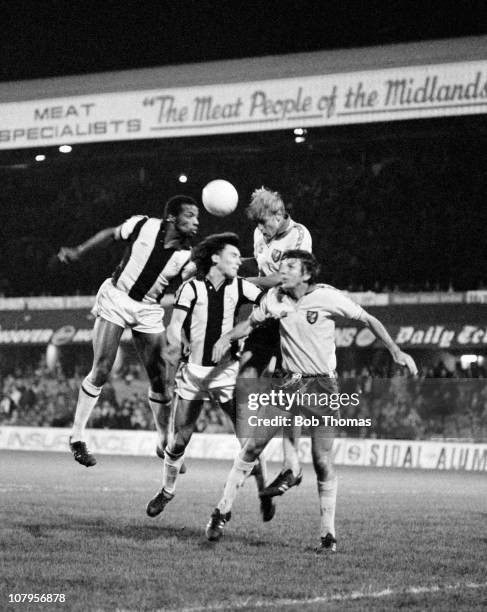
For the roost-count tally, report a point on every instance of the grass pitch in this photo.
(414, 540)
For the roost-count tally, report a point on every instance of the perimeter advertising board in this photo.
(347, 451)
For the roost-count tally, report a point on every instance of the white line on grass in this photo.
(281, 603)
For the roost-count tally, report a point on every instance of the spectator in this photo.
(454, 405)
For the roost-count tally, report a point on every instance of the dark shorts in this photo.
(289, 401)
(264, 343)
(311, 396)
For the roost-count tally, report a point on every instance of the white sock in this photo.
(87, 398)
(328, 494)
(239, 472)
(170, 472)
(161, 409)
(291, 459)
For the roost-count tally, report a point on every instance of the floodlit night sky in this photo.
(48, 38)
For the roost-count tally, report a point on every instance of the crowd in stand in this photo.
(389, 209)
(439, 403)
(40, 397)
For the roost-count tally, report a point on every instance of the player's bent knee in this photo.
(179, 443)
(175, 448)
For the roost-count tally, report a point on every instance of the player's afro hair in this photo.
(211, 245)
(174, 205)
(308, 262)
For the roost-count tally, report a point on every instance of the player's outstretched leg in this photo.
(172, 467)
(160, 406)
(161, 410)
(148, 346)
(267, 506)
(106, 338)
(327, 492)
(284, 481)
(222, 513)
(290, 442)
(237, 411)
(185, 415)
(87, 397)
(328, 544)
(157, 504)
(218, 520)
(80, 453)
(321, 446)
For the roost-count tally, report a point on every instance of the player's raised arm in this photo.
(101, 239)
(343, 306)
(378, 329)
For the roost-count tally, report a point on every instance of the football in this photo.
(219, 197)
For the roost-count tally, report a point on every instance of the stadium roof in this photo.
(251, 69)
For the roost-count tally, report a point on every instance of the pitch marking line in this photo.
(281, 603)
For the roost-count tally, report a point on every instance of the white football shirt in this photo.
(268, 254)
(307, 326)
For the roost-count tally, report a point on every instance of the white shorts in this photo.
(196, 382)
(117, 307)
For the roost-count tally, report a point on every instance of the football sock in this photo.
(87, 398)
(239, 472)
(259, 471)
(161, 409)
(291, 460)
(328, 494)
(170, 472)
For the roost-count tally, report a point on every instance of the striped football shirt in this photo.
(212, 312)
(147, 266)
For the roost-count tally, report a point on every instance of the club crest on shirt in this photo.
(276, 255)
(311, 316)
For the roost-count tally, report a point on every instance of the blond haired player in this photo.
(276, 232)
(306, 313)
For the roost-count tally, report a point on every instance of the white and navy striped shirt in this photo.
(212, 312)
(147, 266)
